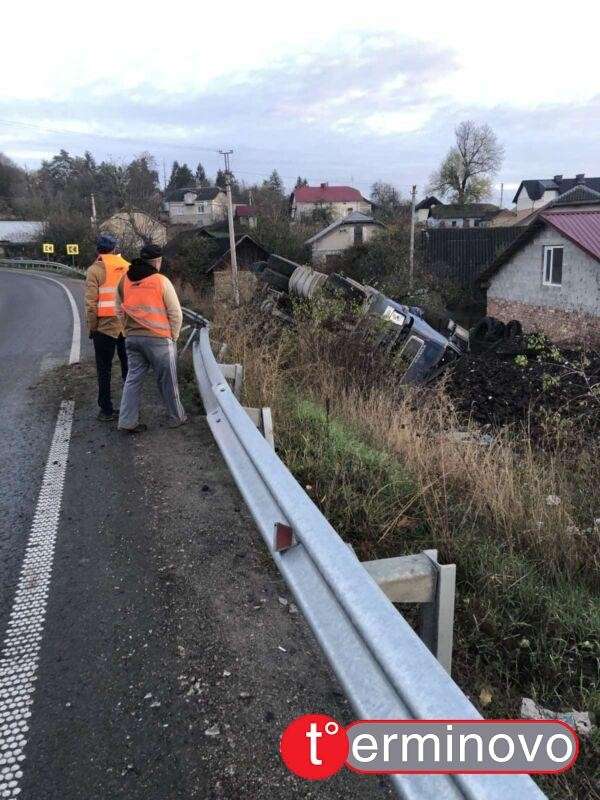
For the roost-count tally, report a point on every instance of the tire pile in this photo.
(505, 389)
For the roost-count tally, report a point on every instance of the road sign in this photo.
(72, 249)
(47, 248)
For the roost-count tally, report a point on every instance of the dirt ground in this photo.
(245, 662)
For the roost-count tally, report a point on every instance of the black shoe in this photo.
(104, 417)
(139, 428)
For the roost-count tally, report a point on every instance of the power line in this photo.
(178, 145)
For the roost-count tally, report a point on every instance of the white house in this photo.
(355, 228)
(533, 194)
(423, 209)
(461, 215)
(196, 206)
(339, 200)
(549, 277)
(19, 237)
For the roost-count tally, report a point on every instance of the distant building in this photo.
(246, 215)
(355, 228)
(460, 215)
(20, 238)
(423, 209)
(196, 206)
(339, 200)
(537, 193)
(548, 278)
(135, 228)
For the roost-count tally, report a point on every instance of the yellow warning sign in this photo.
(47, 247)
(72, 249)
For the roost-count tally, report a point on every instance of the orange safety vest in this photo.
(143, 302)
(115, 267)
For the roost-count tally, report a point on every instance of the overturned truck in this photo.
(420, 344)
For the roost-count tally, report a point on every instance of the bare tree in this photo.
(467, 171)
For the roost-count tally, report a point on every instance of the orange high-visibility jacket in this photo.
(115, 267)
(143, 301)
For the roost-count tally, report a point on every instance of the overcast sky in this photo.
(346, 92)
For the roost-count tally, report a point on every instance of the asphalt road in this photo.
(155, 658)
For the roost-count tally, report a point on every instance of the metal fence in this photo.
(49, 266)
(386, 670)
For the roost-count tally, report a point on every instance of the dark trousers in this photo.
(104, 348)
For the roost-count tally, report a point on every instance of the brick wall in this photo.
(558, 324)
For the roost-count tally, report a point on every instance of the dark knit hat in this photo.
(105, 243)
(150, 251)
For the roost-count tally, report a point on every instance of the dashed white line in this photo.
(21, 648)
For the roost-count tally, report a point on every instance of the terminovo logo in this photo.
(316, 746)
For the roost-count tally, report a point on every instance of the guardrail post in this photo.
(422, 579)
(437, 616)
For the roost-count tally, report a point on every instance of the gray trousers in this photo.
(143, 353)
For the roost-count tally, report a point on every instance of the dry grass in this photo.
(386, 472)
(528, 500)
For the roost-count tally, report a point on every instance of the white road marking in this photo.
(21, 648)
(74, 355)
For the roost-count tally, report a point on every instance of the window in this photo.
(553, 265)
(358, 234)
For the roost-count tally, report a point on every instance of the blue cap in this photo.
(106, 243)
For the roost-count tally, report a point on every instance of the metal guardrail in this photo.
(49, 266)
(386, 671)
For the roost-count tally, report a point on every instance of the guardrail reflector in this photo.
(284, 537)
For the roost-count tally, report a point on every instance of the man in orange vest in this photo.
(105, 328)
(151, 313)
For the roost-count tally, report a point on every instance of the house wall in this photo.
(517, 290)
(525, 202)
(202, 212)
(338, 240)
(449, 223)
(421, 215)
(338, 210)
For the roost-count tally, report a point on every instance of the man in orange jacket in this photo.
(105, 328)
(151, 313)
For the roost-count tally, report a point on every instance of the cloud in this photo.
(363, 108)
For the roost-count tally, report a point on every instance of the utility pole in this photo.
(411, 257)
(94, 218)
(234, 269)
(501, 194)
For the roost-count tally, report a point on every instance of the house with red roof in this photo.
(549, 277)
(246, 215)
(339, 200)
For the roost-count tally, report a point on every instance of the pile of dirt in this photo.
(538, 385)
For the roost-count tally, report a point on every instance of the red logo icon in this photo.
(314, 746)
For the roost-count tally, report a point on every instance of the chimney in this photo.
(557, 178)
(579, 179)
(324, 185)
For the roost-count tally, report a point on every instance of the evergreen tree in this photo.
(141, 182)
(274, 183)
(181, 177)
(201, 178)
(220, 179)
(300, 182)
(174, 170)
